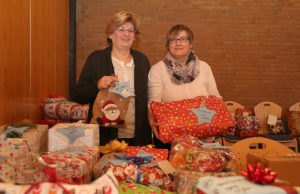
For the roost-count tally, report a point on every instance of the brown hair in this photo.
(119, 19)
(175, 30)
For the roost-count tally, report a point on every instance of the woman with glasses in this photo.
(119, 62)
(180, 75)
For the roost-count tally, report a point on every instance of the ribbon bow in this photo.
(259, 175)
(137, 161)
(52, 178)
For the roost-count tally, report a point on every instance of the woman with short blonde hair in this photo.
(119, 63)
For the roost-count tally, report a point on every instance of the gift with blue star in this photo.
(201, 117)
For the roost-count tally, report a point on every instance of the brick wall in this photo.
(252, 46)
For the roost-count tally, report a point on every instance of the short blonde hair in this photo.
(175, 30)
(119, 19)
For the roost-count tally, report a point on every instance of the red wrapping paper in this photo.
(160, 154)
(177, 118)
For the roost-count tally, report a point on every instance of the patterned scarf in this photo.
(182, 74)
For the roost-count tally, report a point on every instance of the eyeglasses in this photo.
(181, 40)
(123, 30)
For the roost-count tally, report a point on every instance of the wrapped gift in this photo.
(201, 117)
(64, 135)
(139, 188)
(293, 119)
(203, 159)
(106, 184)
(247, 126)
(139, 169)
(36, 136)
(58, 107)
(185, 181)
(17, 163)
(159, 154)
(74, 164)
(185, 142)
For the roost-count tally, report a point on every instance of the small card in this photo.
(166, 167)
(245, 114)
(272, 119)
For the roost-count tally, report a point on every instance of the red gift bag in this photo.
(201, 117)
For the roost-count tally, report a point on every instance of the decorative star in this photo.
(123, 89)
(142, 153)
(203, 114)
(12, 129)
(72, 132)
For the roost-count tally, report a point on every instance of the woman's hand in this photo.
(153, 124)
(106, 81)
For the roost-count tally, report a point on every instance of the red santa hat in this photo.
(109, 102)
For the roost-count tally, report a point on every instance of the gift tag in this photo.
(245, 114)
(234, 184)
(166, 167)
(272, 119)
(203, 114)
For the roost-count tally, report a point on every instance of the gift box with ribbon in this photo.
(74, 164)
(140, 169)
(201, 117)
(159, 154)
(65, 135)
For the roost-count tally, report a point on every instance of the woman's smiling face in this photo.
(180, 45)
(123, 36)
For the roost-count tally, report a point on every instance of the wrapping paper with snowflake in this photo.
(185, 181)
(65, 135)
(159, 154)
(140, 169)
(111, 105)
(34, 135)
(58, 107)
(74, 164)
(15, 159)
(199, 117)
(139, 188)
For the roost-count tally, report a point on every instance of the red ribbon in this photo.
(259, 175)
(53, 178)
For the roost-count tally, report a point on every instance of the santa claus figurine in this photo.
(111, 114)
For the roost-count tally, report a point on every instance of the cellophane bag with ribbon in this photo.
(203, 159)
(201, 117)
(185, 180)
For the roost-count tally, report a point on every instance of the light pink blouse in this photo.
(161, 89)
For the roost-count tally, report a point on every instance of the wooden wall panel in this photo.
(33, 56)
(61, 81)
(49, 50)
(14, 60)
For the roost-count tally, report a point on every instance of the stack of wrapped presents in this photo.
(67, 158)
